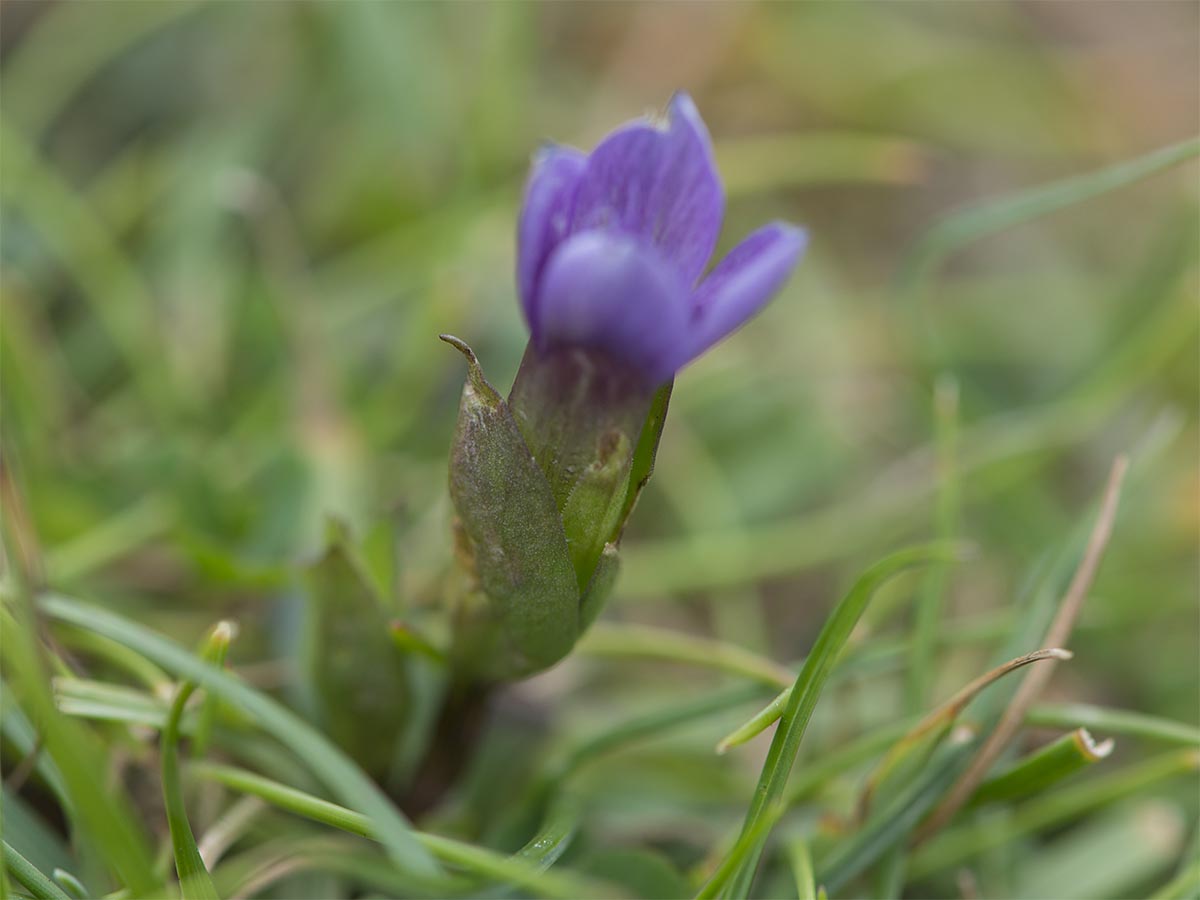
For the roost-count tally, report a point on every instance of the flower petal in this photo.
(608, 292)
(657, 183)
(545, 215)
(742, 283)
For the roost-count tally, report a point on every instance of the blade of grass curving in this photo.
(757, 724)
(1114, 721)
(71, 884)
(29, 877)
(646, 641)
(653, 724)
(912, 751)
(194, 880)
(805, 693)
(554, 837)
(891, 824)
(1057, 634)
(150, 675)
(516, 870)
(255, 870)
(328, 763)
(969, 225)
(88, 699)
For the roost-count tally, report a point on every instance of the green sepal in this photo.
(604, 579)
(646, 452)
(583, 417)
(358, 680)
(519, 610)
(594, 507)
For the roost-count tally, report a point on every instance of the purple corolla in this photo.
(612, 248)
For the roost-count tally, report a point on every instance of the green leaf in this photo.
(194, 880)
(800, 861)
(1115, 721)
(357, 675)
(954, 847)
(107, 820)
(1043, 768)
(649, 642)
(969, 225)
(30, 878)
(910, 754)
(520, 610)
(803, 700)
(330, 765)
(524, 870)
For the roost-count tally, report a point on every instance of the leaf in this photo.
(30, 878)
(800, 861)
(357, 675)
(526, 869)
(1042, 769)
(1116, 721)
(326, 762)
(803, 700)
(194, 880)
(1049, 810)
(106, 817)
(906, 758)
(524, 614)
(989, 217)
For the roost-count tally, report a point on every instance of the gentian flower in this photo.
(611, 252)
(612, 246)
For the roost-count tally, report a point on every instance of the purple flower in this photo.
(611, 247)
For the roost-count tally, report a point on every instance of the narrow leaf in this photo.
(322, 757)
(1044, 768)
(805, 694)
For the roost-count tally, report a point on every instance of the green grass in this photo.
(230, 235)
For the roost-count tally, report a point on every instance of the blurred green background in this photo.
(233, 231)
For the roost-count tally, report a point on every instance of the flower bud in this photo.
(542, 486)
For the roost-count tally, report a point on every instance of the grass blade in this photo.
(803, 699)
(969, 225)
(954, 847)
(1114, 721)
(802, 868)
(328, 763)
(477, 860)
(1043, 768)
(194, 881)
(645, 641)
(28, 876)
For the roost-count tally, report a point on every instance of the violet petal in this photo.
(742, 283)
(657, 183)
(545, 216)
(608, 292)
